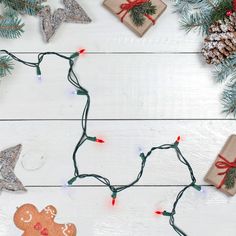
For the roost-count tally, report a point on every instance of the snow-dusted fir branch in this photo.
(11, 25)
(229, 98)
(200, 14)
(29, 7)
(195, 22)
(225, 70)
(6, 65)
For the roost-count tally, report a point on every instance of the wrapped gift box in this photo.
(122, 8)
(222, 174)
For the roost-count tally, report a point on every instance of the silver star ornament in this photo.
(8, 160)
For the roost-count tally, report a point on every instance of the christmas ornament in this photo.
(50, 23)
(138, 15)
(11, 25)
(217, 20)
(73, 13)
(85, 137)
(222, 174)
(8, 159)
(35, 223)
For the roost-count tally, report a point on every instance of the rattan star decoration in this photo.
(8, 160)
(72, 13)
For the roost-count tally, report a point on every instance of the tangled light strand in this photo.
(73, 79)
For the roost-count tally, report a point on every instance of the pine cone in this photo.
(221, 40)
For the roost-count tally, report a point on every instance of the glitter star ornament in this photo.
(8, 160)
(72, 13)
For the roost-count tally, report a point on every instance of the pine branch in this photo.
(196, 22)
(226, 69)
(226, 72)
(221, 9)
(229, 99)
(30, 7)
(10, 27)
(138, 13)
(9, 13)
(230, 178)
(6, 66)
(198, 14)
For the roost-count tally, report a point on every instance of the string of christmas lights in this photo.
(73, 79)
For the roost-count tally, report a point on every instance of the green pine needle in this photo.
(30, 7)
(200, 14)
(10, 13)
(229, 99)
(230, 178)
(220, 11)
(6, 66)
(11, 27)
(195, 22)
(138, 13)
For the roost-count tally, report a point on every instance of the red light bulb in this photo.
(159, 212)
(113, 201)
(114, 194)
(81, 51)
(100, 141)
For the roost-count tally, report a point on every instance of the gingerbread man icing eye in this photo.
(35, 223)
(24, 215)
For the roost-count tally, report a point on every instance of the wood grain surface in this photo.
(144, 92)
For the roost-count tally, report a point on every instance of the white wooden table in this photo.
(144, 92)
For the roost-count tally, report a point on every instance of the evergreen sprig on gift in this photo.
(138, 13)
(6, 65)
(11, 25)
(230, 178)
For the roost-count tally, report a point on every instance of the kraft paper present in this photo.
(218, 170)
(115, 7)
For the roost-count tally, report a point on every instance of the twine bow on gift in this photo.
(126, 7)
(224, 164)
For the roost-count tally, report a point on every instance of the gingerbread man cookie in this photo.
(35, 223)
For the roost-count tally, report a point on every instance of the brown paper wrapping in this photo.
(229, 153)
(114, 7)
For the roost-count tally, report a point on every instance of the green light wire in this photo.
(73, 79)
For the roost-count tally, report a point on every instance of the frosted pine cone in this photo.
(221, 40)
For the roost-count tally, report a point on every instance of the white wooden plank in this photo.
(90, 209)
(47, 150)
(106, 34)
(121, 87)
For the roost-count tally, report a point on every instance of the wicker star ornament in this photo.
(72, 13)
(8, 160)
